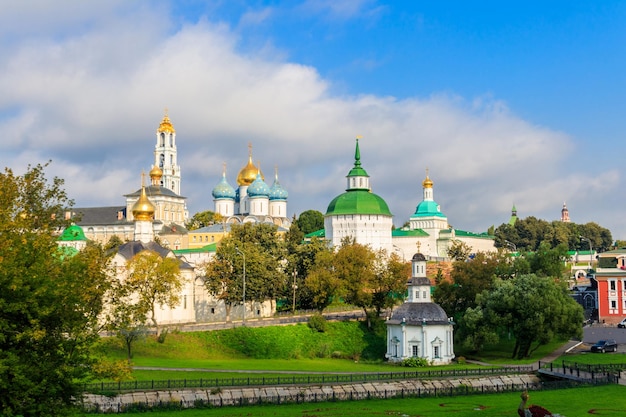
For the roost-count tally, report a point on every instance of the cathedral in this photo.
(253, 200)
(360, 214)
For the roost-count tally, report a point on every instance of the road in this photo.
(591, 334)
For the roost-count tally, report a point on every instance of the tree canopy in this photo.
(534, 309)
(203, 219)
(310, 221)
(528, 234)
(50, 299)
(258, 247)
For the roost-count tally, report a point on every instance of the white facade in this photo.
(419, 327)
(430, 232)
(358, 213)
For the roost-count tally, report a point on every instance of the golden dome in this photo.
(427, 183)
(156, 173)
(143, 209)
(166, 125)
(248, 174)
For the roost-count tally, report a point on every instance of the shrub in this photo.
(415, 362)
(318, 322)
(461, 360)
(161, 337)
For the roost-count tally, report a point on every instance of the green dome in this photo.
(358, 202)
(428, 209)
(72, 233)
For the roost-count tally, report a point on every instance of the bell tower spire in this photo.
(165, 155)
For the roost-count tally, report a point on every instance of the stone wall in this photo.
(291, 393)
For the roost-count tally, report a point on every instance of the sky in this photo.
(505, 103)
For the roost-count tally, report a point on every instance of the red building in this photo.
(611, 277)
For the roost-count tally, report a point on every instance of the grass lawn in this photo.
(602, 401)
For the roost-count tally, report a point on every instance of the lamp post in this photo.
(295, 287)
(243, 314)
(511, 245)
(590, 250)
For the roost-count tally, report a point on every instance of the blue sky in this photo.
(505, 102)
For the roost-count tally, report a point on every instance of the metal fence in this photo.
(301, 397)
(317, 379)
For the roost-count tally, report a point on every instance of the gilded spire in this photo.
(248, 173)
(166, 124)
(428, 183)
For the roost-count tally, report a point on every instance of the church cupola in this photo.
(357, 177)
(565, 214)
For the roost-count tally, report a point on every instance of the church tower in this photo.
(165, 155)
(565, 214)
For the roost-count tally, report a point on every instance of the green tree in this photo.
(468, 279)
(547, 261)
(113, 243)
(50, 299)
(354, 264)
(302, 259)
(153, 281)
(310, 221)
(322, 282)
(203, 219)
(534, 309)
(388, 284)
(459, 251)
(265, 259)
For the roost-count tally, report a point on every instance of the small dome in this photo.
(258, 188)
(420, 313)
(418, 257)
(143, 209)
(156, 173)
(223, 190)
(427, 183)
(277, 192)
(166, 125)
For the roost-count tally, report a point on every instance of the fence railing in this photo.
(301, 397)
(316, 379)
(608, 372)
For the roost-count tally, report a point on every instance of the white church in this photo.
(420, 328)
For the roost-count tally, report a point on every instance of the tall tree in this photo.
(354, 264)
(535, 310)
(302, 259)
(388, 284)
(49, 299)
(263, 252)
(153, 281)
(322, 282)
(310, 221)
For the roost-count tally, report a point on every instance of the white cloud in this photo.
(92, 102)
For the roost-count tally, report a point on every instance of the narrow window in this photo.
(436, 351)
(414, 350)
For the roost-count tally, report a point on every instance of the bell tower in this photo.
(165, 155)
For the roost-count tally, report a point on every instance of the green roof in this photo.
(408, 233)
(317, 233)
(72, 233)
(463, 233)
(358, 202)
(211, 247)
(427, 209)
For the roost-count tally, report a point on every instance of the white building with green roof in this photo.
(358, 213)
(429, 230)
